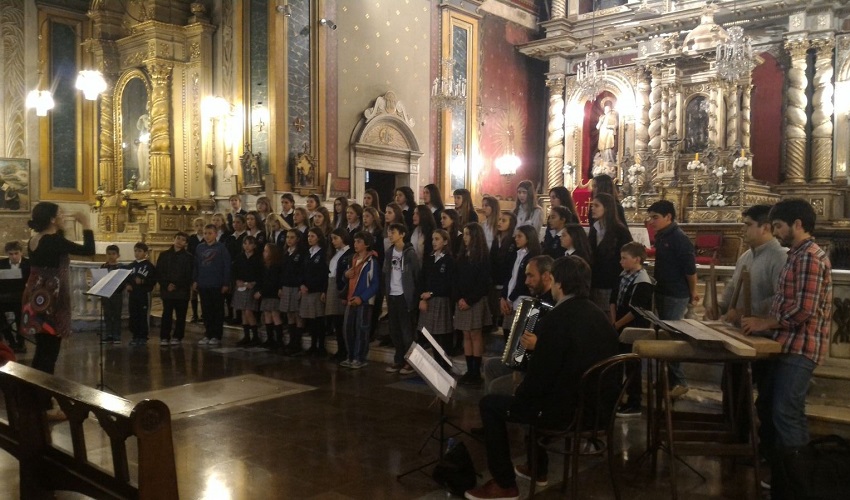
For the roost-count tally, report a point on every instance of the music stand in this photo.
(105, 288)
(443, 385)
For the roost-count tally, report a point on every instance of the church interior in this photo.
(147, 114)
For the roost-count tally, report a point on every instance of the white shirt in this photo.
(533, 219)
(395, 276)
(335, 260)
(489, 233)
(314, 250)
(520, 254)
(417, 239)
(600, 232)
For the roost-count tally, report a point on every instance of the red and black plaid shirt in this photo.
(803, 305)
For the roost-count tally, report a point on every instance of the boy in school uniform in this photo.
(11, 293)
(174, 273)
(635, 290)
(113, 306)
(140, 283)
(211, 278)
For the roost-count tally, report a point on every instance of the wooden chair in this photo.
(707, 247)
(593, 418)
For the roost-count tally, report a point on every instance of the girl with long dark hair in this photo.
(527, 211)
(607, 236)
(472, 313)
(433, 199)
(423, 226)
(463, 205)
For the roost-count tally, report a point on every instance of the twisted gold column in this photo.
(655, 111)
(160, 151)
(106, 161)
(712, 113)
(746, 109)
(822, 113)
(555, 132)
(665, 117)
(642, 118)
(559, 9)
(731, 116)
(795, 113)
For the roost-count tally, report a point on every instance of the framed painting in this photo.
(14, 185)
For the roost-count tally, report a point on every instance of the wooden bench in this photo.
(44, 468)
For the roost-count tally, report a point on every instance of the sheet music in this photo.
(436, 346)
(440, 381)
(109, 284)
(11, 274)
(97, 274)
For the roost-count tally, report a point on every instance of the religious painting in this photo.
(14, 185)
(305, 173)
(696, 124)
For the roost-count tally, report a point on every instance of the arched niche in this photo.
(383, 141)
(696, 123)
(131, 107)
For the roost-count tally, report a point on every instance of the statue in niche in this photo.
(251, 168)
(607, 127)
(696, 125)
(143, 125)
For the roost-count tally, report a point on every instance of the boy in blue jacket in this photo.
(364, 278)
(211, 277)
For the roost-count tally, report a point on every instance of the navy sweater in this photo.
(316, 272)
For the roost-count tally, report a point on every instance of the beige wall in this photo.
(383, 45)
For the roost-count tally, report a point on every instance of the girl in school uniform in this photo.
(490, 205)
(334, 304)
(435, 303)
(371, 199)
(301, 220)
(471, 284)
(276, 229)
(291, 276)
(264, 209)
(450, 222)
(314, 284)
(312, 204)
(405, 199)
(322, 220)
(500, 263)
(393, 215)
(559, 196)
(527, 211)
(607, 236)
(559, 217)
(353, 219)
(253, 225)
(267, 292)
(463, 205)
(433, 199)
(340, 204)
(526, 246)
(423, 228)
(248, 273)
(574, 242)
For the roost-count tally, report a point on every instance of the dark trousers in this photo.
(212, 303)
(495, 415)
(401, 326)
(139, 303)
(112, 308)
(14, 308)
(179, 308)
(635, 387)
(46, 352)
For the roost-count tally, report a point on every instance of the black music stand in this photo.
(443, 385)
(105, 288)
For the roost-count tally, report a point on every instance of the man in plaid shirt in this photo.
(799, 320)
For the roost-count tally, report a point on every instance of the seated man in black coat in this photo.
(11, 291)
(571, 338)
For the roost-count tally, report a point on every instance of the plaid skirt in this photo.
(475, 318)
(334, 306)
(311, 306)
(438, 318)
(243, 300)
(269, 304)
(290, 299)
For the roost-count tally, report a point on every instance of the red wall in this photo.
(510, 80)
(766, 119)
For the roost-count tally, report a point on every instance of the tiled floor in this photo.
(256, 425)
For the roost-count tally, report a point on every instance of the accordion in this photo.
(525, 319)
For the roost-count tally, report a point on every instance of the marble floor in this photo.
(249, 424)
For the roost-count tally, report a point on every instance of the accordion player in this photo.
(527, 315)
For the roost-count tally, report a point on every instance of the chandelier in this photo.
(735, 56)
(92, 83)
(448, 90)
(592, 72)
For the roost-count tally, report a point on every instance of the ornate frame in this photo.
(117, 96)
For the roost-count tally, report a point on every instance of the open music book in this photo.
(107, 285)
(439, 380)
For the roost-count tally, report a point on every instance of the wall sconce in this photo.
(215, 107)
(327, 22)
(41, 100)
(285, 9)
(92, 84)
(509, 163)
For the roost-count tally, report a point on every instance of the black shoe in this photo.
(339, 356)
(246, 340)
(195, 319)
(255, 342)
(385, 341)
(628, 411)
(470, 379)
(321, 353)
(269, 344)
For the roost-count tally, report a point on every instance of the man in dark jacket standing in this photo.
(11, 291)
(571, 338)
(174, 268)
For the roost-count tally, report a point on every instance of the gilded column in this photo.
(746, 109)
(665, 117)
(712, 114)
(642, 118)
(555, 132)
(822, 113)
(795, 113)
(732, 116)
(655, 111)
(106, 154)
(559, 9)
(672, 116)
(160, 151)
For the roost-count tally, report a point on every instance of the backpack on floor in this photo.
(455, 471)
(818, 471)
